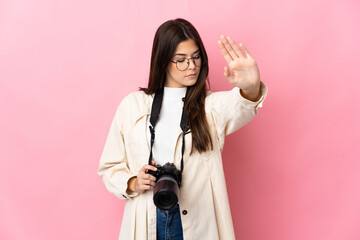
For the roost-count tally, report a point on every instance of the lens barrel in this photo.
(166, 193)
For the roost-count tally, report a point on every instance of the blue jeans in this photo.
(168, 224)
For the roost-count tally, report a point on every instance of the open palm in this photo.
(243, 72)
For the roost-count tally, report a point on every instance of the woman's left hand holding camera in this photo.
(143, 181)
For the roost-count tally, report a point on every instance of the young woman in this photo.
(179, 69)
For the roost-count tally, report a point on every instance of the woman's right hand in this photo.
(143, 181)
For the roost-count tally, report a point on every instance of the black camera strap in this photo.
(154, 117)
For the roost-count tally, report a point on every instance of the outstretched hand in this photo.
(242, 71)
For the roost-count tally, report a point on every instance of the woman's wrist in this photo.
(252, 94)
(131, 185)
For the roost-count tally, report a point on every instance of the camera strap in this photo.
(154, 117)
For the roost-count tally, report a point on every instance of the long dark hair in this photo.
(166, 39)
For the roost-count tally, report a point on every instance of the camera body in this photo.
(168, 181)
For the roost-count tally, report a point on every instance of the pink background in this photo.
(293, 173)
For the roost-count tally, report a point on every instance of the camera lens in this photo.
(166, 193)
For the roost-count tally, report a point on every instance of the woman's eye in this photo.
(181, 60)
(197, 57)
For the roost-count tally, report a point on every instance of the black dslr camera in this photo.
(166, 191)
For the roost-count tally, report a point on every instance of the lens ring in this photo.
(165, 199)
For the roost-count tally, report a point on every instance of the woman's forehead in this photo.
(187, 47)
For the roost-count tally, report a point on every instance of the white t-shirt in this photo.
(167, 125)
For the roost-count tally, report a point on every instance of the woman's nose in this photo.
(191, 64)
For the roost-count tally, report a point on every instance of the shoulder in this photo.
(137, 99)
(134, 105)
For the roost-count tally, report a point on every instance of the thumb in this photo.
(226, 72)
(228, 75)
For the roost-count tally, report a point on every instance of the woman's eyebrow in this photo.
(182, 54)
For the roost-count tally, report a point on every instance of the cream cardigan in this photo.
(204, 205)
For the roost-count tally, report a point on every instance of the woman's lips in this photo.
(191, 75)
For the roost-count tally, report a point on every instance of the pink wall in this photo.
(293, 173)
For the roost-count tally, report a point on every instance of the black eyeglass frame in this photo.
(188, 62)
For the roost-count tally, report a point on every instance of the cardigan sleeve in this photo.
(113, 166)
(231, 111)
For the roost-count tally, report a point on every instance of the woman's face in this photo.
(176, 78)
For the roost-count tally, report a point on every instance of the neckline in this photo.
(174, 93)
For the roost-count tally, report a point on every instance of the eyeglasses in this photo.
(182, 65)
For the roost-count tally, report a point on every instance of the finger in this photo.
(152, 183)
(226, 55)
(148, 182)
(144, 182)
(226, 72)
(142, 170)
(152, 178)
(146, 187)
(146, 167)
(245, 50)
(149, 177)
(236, 48)
(153, 163)
(228, 47)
